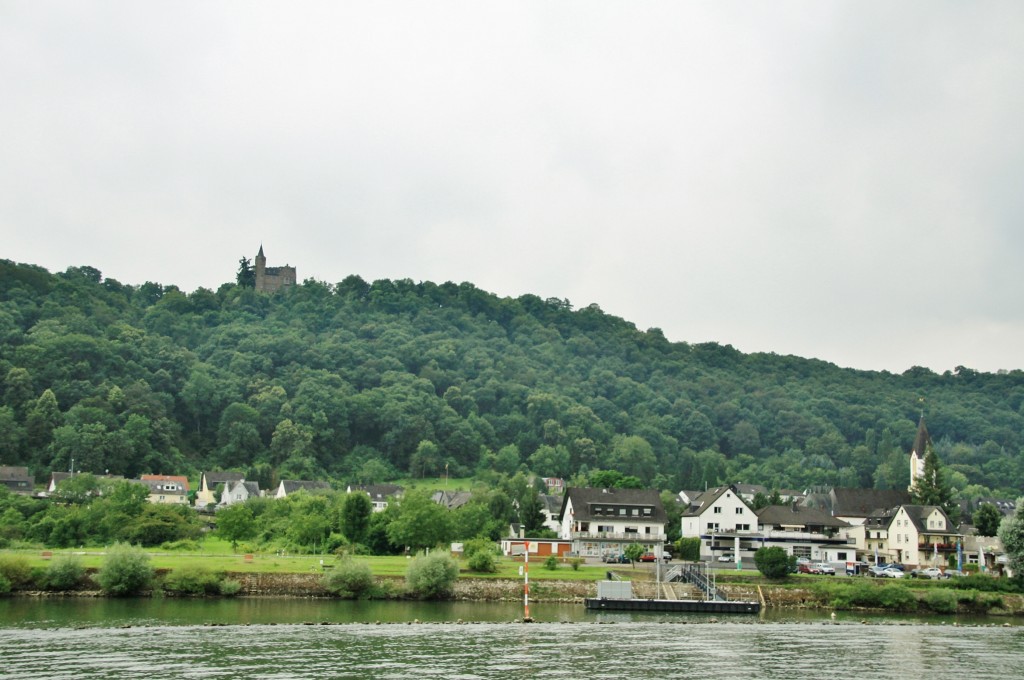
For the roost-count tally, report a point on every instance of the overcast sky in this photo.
(837, 180)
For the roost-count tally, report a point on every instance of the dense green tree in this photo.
(1011, 533)
(356, 512)
(633, 552)
(359, 368)
(932, 488)
(421, 523)
(236, 523)
(987, 519)
(246, 276)
(774, 562)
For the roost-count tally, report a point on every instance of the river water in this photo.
(269, 638)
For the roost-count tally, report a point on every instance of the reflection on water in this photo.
(79, 639)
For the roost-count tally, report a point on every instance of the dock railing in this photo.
(697, 574)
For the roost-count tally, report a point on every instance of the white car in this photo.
(892, 572)
(725, 558)
(822, 568)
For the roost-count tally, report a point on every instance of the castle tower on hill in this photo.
(922, 442)
(272, 279)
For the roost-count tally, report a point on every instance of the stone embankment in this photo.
(480, 589)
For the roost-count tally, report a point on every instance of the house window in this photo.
(636, 512)
(712, 526)
(647, 512)
(632, 530)
(605, 528)
(622, 512)
(841, 557)
(647, 530)
(718, 510)
(739, 511)
(742, 527)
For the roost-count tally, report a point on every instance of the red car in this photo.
(648, 557)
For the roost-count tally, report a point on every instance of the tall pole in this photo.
(526, 581)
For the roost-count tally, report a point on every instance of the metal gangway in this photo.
(699, 575)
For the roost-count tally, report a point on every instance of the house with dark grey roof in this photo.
(605, 521)
(165, 491)
(57, 477)
(16, 479)
(208, 483)
(805, 532)
(380, 494)
(451, 499)
(551, 506)
(288, 486)
(872, 537)
(922, 535)
(239, 492)
(725, 523)
(856, 505)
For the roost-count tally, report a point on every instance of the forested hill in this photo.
(364, 382)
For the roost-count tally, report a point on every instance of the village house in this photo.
(605, 521)
(855, 506)
(380, 494)
(165, 492)
(451, 500)
(805, 532)
(289, 486)
(16, 479)
(922, 535)
(872, 538)
(723, 521)
(239, 492)
(210, 481)
(551, 506)
(57, 477)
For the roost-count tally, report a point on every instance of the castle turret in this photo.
(272, 279)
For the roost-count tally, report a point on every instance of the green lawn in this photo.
(218, 556)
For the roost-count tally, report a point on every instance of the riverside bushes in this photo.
(65, 572)
(193, 579)
(126, 571)
(350, 579)
(852, 593)
(481, 556)
(855, 593)
(432, 576)
(17, 571)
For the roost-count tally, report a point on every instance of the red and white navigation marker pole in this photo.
(526, 581)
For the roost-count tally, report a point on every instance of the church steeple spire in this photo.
(922, 441)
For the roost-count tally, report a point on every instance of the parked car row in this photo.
(620, 558)
(815, 568)
(886, 571)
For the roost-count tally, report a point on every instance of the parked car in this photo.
(616, 558)
(666, 555)
(823, 568)
(648, 557)
(803, 560)
(892, 572)
(725, 558)
(805, 568)
(877, 569)
(929, 572)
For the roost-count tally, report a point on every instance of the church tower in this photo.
(922, 442)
